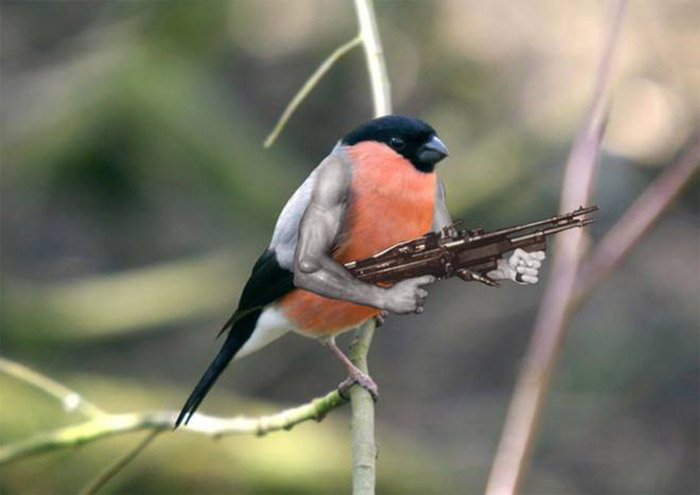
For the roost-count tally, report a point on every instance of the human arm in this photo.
(314, 268)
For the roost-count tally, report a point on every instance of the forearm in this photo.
(329, 279)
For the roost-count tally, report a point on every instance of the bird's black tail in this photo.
(240, 332)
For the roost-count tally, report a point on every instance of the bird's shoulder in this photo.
(333, 170)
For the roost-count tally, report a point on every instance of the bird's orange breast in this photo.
(390, 202)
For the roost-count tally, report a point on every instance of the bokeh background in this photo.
(136, 196)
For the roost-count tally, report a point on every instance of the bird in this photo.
(377, 187)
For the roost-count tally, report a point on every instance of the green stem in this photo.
(71, 400)
(107, 425)
(118, 465)
(310, 83)
(374, 54)
(364, 449)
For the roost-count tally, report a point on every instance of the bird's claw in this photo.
(363, 380)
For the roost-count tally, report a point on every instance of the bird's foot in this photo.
(380, 319)
(363, 380)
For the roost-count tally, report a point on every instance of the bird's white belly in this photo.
(271, 325)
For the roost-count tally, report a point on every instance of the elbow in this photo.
(304, 269)
(306, 265)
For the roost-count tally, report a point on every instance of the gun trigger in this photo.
(470, 275)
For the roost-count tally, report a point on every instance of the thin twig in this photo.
(638, 218)
(118, 465)
(71, 400)
(108, 425)
(525, 408)
(310, 83)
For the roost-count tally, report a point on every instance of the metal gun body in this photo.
(469, 254)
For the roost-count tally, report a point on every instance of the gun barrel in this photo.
(568, 218)
(552, 230)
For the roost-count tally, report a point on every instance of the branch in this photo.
(364, 449)
(638, 218)
(103, 425)
(310, 83)
(71, 401)
(374, 54)
(107, 425)
(540, 360)
(118, 465)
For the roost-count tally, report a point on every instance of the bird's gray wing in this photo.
(273, 273)
(284, 238)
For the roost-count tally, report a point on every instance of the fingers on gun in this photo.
(526, 271)
(538, 255)
(523, 258)
(526, 275)
(526, 266)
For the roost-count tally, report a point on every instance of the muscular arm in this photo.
(314, 269)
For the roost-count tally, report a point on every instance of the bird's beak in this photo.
(433, 151)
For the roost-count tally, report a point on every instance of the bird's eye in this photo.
(397, 143)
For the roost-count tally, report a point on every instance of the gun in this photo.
(468, 254)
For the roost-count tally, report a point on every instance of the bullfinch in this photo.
(376, 188)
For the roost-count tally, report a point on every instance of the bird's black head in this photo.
(412, 138)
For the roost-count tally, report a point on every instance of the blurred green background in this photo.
(136, 196)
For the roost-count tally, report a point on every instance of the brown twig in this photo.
(638, 218)
(525, 408)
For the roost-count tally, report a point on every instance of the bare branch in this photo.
(525, 408)
(310, 83)
(637, 220)
(374, 54)
(71, 400)
(108, 425)
(118, 465)
(103, 425)
(364, 449)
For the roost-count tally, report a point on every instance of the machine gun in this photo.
(468, 254)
